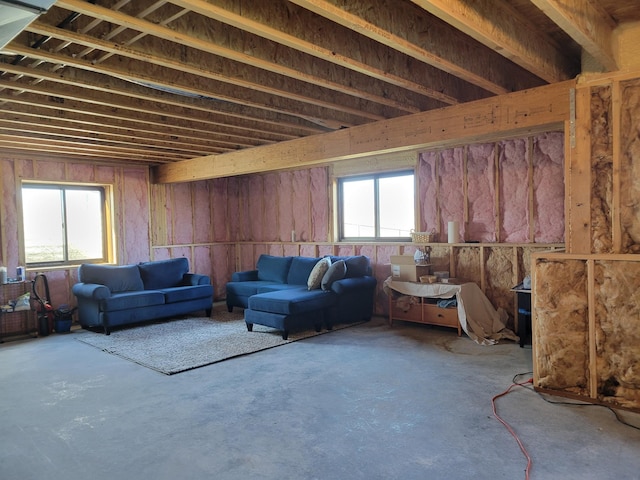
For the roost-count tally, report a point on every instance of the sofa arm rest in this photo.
(91, 291)
(189, 279)
(346, 285)
(246, 276)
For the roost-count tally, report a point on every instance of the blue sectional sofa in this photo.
(278, 292)
(111, 296)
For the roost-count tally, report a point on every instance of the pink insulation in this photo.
(428, 191)
(232, 208)
(135, 216)
(548, 187)
(451, 191)
(307, 250)
(181, 204)
(223, 262)
(9, 221)
(481, 190)
(202, 212)
(284, 197)
(253, 208)
(220, 212)
(300, 205)
(270, 208)
(319, 199)
(514, 190)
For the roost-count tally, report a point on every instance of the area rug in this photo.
(183, 344)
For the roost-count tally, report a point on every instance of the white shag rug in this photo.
(175, 346)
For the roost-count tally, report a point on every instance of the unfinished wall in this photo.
(510, 191)
(561, 339)
(630, 166)
(586, 316)
(131, 213)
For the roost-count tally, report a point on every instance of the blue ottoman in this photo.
(289, 308)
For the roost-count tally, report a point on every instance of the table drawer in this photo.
(435, 315)
(414, 314)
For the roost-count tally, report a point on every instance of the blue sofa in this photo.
(111, 296)
(277, 294)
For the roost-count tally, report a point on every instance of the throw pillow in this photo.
(315, 277)
(336, 271)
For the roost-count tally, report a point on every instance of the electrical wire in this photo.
(528, 384)
(508, 427)
(575, 403)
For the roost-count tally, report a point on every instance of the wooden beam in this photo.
(163, 71)
(126, 106)
(197, 108)
(578, 234)
(588, 25)
(499, 26)
(250, 108)
(417, 34)
(526, 112)
(297, 29)
(341, 96)
(51, 115)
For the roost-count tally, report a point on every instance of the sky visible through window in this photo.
(45, 232)
(396, 207)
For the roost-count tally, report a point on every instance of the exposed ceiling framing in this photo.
(155, 82)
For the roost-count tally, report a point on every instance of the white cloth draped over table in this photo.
(478, 318)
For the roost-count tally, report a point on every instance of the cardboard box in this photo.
(404, 269)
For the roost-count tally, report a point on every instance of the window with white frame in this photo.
(376, 207)
(64, 224)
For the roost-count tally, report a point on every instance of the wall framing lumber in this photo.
(526, 112)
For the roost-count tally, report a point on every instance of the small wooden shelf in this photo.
(427, 312)
(22, 322)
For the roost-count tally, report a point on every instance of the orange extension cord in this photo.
(508, 427)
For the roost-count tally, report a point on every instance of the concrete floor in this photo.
(368, 402)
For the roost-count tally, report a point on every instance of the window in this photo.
(64, 224)
(377, 207)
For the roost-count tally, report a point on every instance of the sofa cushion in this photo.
(118, 278)
(276, 287)
(357, 266)
(130, 300)
(163, 273)
(273, 269)
(300, 270)
(315, 277)
(183, 294)
(335, 272)
(292, 301)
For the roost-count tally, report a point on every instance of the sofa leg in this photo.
(329, 326)
(208, 312)
(250, 327)
(285, 334)
(318, 327)
(230, 308)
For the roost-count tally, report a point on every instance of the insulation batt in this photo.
(548, 187)
(630, 166)
(451, 192)
(561, 326)
(514, 190)
(617, 301)
(602, 166)
(481, 190)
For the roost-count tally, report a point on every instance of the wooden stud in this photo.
(532, 205)
(591, 338)
(616, 228)
(496, 176)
